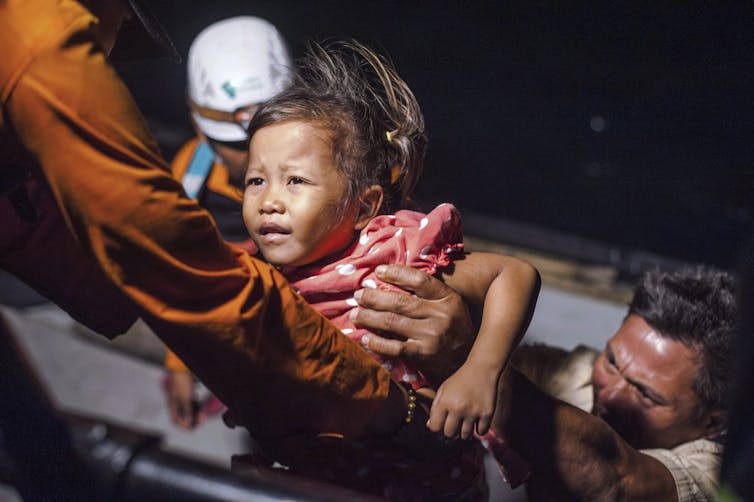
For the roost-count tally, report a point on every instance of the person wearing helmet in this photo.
(92, 217)
(233, 66)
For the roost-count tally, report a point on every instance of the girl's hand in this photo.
(183, 409)
(466, 399)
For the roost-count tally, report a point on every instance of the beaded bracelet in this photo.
(411, 404)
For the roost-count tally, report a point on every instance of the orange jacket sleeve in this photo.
(174, 363)
(235, 321)
(218, 182)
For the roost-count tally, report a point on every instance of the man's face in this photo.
(235, 157)
(643, 387)
(111, 14)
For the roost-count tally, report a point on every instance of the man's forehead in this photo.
(647, 354)
(652, 338)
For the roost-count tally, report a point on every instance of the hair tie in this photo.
(389, 136)
(395, 173)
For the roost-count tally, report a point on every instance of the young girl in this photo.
(332, 160)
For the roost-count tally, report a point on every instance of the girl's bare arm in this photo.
(508, 288)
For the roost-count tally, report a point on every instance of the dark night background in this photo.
(625, 124)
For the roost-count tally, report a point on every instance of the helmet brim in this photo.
(132, 44)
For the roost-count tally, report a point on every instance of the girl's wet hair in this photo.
(373, 119)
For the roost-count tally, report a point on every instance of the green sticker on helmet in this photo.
(229, 89)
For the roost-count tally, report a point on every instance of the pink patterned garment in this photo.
(426, 242)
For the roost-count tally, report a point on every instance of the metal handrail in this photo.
(49, 455)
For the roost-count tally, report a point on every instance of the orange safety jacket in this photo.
(213, 183)
(208, 181)
(93, 184)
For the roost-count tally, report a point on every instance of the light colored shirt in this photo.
(695, 465)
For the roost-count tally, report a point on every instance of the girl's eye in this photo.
(295, 181)
(254, 181)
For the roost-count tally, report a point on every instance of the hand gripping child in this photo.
(331, 160)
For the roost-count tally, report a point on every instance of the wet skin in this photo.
(295, 201)
(643, 388)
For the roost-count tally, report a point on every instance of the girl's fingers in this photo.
(483, 425)
(467, 428)
(452, 426)
(437, 417)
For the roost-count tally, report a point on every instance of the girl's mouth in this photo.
(273, 233)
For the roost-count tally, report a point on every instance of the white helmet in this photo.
(232, 65)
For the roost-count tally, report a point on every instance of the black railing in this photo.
(51, 456)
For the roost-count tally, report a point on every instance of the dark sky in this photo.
(627, 124)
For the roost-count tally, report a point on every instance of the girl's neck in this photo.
(289, 270)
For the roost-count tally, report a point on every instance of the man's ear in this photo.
(200, 134)
(370, 203)
(198, 130)
(716, 423)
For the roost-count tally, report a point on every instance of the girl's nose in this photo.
(271, 204)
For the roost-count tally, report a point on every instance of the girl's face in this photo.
(295, 201)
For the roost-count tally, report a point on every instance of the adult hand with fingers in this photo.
(179, 393)
(433, 320)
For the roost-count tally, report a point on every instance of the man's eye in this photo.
(647, 398)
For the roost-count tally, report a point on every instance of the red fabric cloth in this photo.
(425, 242)
(514, 469)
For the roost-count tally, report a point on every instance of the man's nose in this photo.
(616, 393)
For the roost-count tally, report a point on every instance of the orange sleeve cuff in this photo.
(173, 363)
